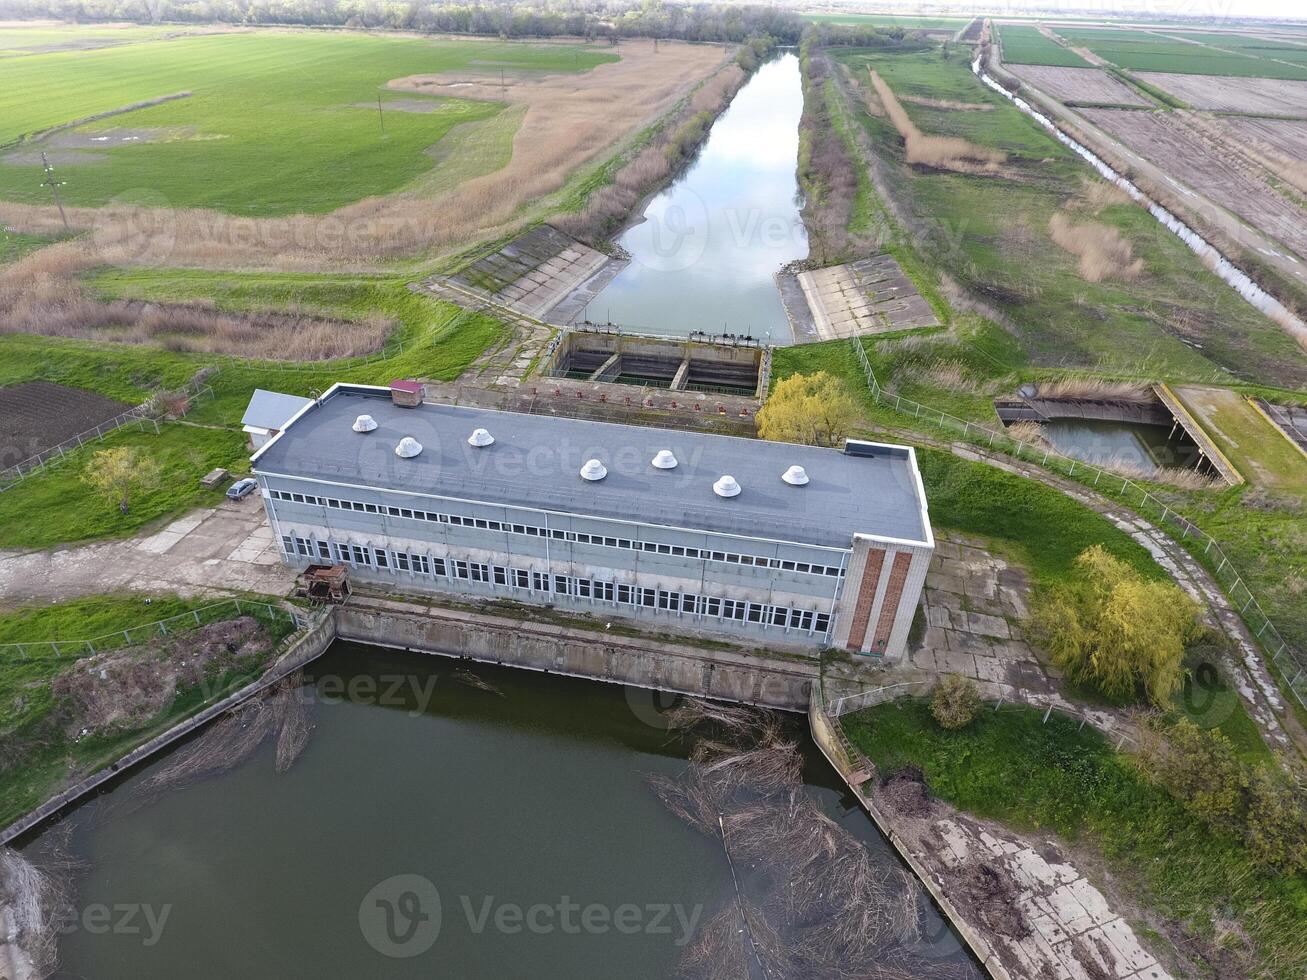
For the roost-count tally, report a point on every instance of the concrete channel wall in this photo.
(726, 673)
(303, 649)
(829, 738)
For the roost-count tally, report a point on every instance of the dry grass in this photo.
(570, 121)
(1102, 250)
(32, 902)
(1031, 433)
(1096, 389)
(40, 294)
(1095, 195)
(941, 152)
(611, 204)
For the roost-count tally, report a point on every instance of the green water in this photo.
(532, 796)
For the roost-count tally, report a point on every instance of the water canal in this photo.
(705, 255)
(528, 791)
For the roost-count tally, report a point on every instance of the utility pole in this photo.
(380, 118)
(54, 186)
(503, 86)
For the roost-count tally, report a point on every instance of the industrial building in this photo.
(760, 542)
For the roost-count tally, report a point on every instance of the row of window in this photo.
(740, 610)
(580, 537)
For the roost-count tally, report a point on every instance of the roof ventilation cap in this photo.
(664, 460)
(726, 487)
(593, 470)
(795, 476)
(365, 423)
(408, 448)
(480, 437)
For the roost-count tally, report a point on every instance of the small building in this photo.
(689, 532)
(268, 413)
(407, 394)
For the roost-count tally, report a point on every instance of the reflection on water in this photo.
(705, 257)
(470, 798)
(1143, 448)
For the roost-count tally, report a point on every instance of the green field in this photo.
(1143, 51)
(276, 123)
(42, 37)
(438, 341)
(1024, 45)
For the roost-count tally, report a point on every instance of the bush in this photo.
(810, 409)
(1276, 834)
(1111, 628)
(956, 702)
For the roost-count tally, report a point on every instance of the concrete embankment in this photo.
(722, 672)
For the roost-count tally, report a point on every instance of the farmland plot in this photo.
(1285, 136)
(37, 415)
(1256, 96)
(1217, 172)
(1080, 85)
(1026, 45)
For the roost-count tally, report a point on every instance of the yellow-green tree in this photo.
(1112, 628)
(813, 409)
(115, 474)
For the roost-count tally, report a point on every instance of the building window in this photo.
(323, 552)
(379, 555)
(521, 578)
(480, 571)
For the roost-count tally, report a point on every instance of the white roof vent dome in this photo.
(726, 486)
(408, 448)
(665, 460)
(795, 476)
(593, 470)
(364, 423)
(480, 437)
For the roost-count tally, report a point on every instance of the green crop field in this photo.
(1143, 51)
(1024, 45)
(276, 123)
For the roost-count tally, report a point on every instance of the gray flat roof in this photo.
(271, 409)
(535, 459)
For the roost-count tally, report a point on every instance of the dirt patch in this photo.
(905, 793)
(36, 415)
(1195, 154)
(124, 689)
(1102, 250)
(947, 104)
(942, 152)
(1079, 85)
(1222, 93)
(992, 895)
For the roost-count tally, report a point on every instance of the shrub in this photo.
(1110, 627)
(956, 702)
(1199, 768)
(811, 409)
(1276, 835)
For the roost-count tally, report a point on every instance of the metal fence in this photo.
(1290, 661)
(143, 414)
(218, 611)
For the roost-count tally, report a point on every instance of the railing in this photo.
(145, 413)
(837, 707)
(1290, 661)
(218, 611)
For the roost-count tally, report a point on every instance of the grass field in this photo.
(1142, 51)
(990, 233)
(276, 123)
(891, 20)
(1060, 779)
(42, 758)
(1025, 45)
(438, 342)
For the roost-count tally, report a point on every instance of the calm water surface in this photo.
(705, 256)
(1145, 447)
(536, 795)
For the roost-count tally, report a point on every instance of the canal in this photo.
(471, 799)
(705, 254)
(1125, 446)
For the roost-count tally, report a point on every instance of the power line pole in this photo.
(380, 118)
(54, 186)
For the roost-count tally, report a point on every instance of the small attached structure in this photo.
(268, 413)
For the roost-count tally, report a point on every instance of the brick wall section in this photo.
(866, 597)
(889, 608)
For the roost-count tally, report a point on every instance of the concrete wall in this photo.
(882, 589)
(728, 674)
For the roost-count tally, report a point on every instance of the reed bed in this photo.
(941, 152)
(1103, 252)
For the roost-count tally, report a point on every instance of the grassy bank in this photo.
(1057, 779)
(55, 733)
(432, 339)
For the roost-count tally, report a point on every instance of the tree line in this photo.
(504, 18)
